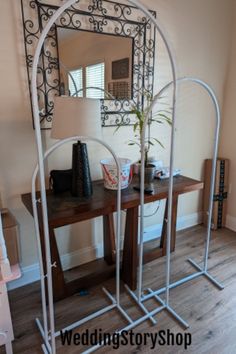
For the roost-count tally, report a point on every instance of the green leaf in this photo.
(137, 112)
(131, 142)
(163, 115)
(158, 141)
(157, 121)
(136, 126)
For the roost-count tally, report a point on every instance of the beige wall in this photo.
(199, 32)
(17, 145)
(227, 144)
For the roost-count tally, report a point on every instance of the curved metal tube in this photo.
(216, 143)
(215, 153)
(35, 108)
(71, 76)
(96, 88)
(36, 221)
(170, 189)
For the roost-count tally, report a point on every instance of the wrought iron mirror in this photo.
(102, 17)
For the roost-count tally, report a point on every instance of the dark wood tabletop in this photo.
(64, 209)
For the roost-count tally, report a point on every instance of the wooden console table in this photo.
(63, 209)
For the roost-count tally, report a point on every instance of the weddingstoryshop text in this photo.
(117, 340)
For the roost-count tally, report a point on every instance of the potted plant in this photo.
(160, 117)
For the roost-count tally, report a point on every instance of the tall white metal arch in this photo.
(50, 345)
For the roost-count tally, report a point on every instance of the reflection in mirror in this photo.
(97, 60)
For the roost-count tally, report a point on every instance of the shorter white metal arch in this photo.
(44, 329)
(201, 270)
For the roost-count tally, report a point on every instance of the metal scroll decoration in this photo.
(100, 16)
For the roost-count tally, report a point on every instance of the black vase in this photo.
(81, 178)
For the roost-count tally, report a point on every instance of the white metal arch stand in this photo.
(202, 270)
(47, 348)
(49, 345)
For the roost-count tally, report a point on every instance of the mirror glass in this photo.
(94, 64)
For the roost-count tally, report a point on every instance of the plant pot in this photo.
(149, 172)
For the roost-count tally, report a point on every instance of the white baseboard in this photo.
(74, 259)
(31, 273)
(231, 222)
(183, 222)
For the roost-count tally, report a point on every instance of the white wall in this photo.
(199, 32)
(227, 144)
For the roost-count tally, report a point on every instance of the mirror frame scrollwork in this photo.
(99, 16)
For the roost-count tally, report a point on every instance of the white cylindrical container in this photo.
(109, 171)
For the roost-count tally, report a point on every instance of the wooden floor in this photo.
(210, 313)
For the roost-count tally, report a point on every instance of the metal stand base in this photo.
(148, 315)
(46, 347)
(205, 272)
(164, 306)
(155, 294)
(200, 272)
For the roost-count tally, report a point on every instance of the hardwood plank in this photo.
(211, 313)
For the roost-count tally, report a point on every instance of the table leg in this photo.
(130, 251)
(59, 287)
(173, 226)
(109, 239)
